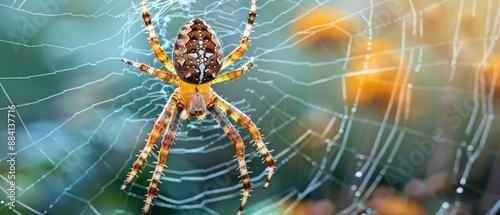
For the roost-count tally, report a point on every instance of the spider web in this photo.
(384, 106)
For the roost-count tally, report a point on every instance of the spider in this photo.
(197, 60)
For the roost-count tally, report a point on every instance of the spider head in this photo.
(197, 53)
(197, 105)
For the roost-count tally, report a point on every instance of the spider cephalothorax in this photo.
(197, 60)
(197, 54)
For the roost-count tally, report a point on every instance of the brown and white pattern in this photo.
(197, 61)
(197, 53)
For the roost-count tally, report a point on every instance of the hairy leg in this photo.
(240, 50)
(160, 54)
(233, 74)
(153, 136)
(245, 121)
(240, 151)
(156, 72)
(168, 138)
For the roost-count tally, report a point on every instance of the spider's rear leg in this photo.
(160, 54)
(240, 50)
(245, 121)
(240, 151)
(158, 127)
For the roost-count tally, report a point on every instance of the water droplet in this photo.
(464, 143)
(446, 205)
(354, 187)
(463, 181)
(358, 174)
(357, 194)
(460, 190)
(470, 147)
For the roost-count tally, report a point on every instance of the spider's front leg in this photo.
(233, 74)
(156, 72)
(240, 151)
(162, 120)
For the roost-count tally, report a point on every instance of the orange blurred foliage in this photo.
(318, 207)
(322, 25)
(492, 75)
(385, 201)
(373, 78)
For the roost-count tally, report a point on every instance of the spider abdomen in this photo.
(197, 53)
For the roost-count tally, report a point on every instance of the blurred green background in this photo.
(388, 106)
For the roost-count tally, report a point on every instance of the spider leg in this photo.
(159, 125)
(160, 54)
(233, 74)
(240, 151)
(156, 72)
(168, 138)
(240, 50)
(245, 121)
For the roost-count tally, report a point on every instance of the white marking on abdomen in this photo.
(182, 61)
(202, 67)
(201, 74)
